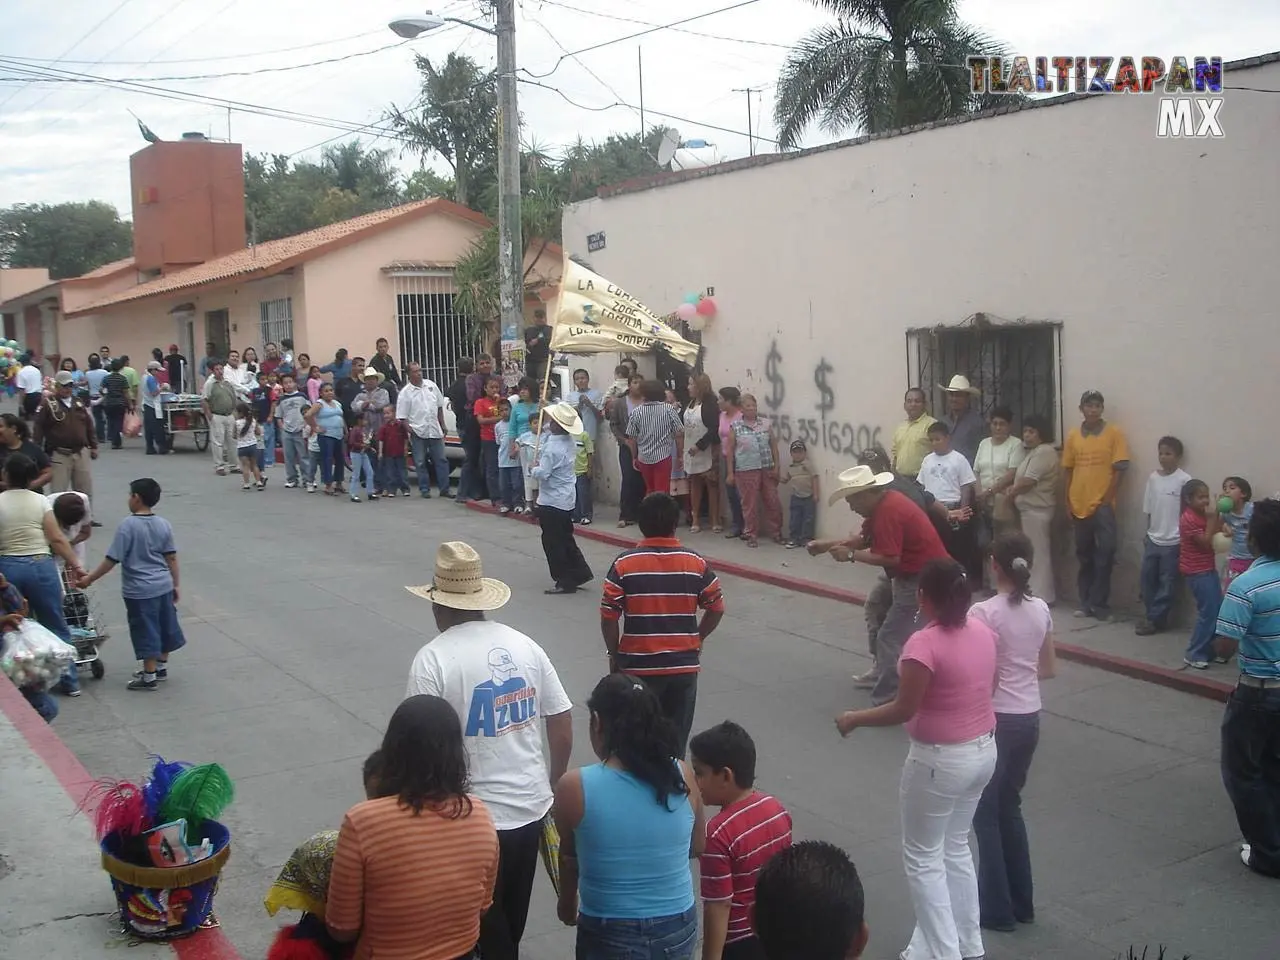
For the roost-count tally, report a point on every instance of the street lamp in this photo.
(510, 244)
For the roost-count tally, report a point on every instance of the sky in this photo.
(71, 141)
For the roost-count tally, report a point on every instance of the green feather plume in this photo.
(198, 794)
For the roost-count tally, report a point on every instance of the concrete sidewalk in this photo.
(1112, 646)
(55, 901)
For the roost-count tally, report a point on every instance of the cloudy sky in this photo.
(71, 140)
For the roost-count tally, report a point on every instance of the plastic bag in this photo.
(132, 425)
(33, 656)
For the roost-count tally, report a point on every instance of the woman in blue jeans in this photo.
(1024, 657)
(628, 827)
(29, 536)
(327, 421)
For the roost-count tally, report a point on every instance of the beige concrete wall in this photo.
(1157, 257)
(15, 281)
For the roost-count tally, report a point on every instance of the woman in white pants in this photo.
(946, 674)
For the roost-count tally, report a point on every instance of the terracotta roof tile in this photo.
(276, 256)
(106, 270)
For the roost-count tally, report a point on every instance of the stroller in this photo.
(88, 629)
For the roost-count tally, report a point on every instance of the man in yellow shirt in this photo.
(911, 437)
(1094, 458)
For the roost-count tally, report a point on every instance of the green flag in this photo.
(147, 133)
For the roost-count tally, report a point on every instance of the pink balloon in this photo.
(706, 307)
(686, 311)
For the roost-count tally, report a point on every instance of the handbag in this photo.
(132, 426)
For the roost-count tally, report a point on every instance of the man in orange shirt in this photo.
(1095, 457)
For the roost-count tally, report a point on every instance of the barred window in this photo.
(277, 319)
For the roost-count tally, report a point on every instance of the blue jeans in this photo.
(583, 508)
(36, 578)
(1004, 855)
(361, 471)
(395, 474)
(1251, 770)
(100, 422)
(41, 703)
(804, 512)
(511, 481)
(1096, 553)
(430, 450)
(1208, 596)
(735, 500)
(267, 452)
(660, 938)
(330, 460)
(295, 456)
(1159, 577)
(489, 459)
(153, 627)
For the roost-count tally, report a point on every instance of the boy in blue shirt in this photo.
(144, 548)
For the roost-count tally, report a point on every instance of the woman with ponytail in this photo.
(629, 826)
(1024, 657)
(944, 697)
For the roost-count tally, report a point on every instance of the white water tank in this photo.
(693, 154)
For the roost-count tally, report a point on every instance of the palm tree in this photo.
(883, 65)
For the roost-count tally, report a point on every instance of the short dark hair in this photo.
(19, 471)
(69, 509)
(466, 365)
(117, 363)
(582, 370)
(1264, 528)
(658, 515)
(1243, 485)
(731, 395)
(1001, 413)
(939, 428)
(527, 383)
(919, 390)
(727, 746)
(1173, 443)
(1040, 425)
(286, 342)
(1091, 396)
(146, 490)
(944, 585)
(1191, 488)
(809, 903)
(623, 369)
(653, 390)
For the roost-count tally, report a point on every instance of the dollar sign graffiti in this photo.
(827, 396)
(774, 377)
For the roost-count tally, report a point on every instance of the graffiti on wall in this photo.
(820, 426)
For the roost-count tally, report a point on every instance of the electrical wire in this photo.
(545, 29)
(647, 23)
(83, 37)
(631, 36)
(229, 56)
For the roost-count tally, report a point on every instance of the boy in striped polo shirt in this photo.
(749, 829)
(656, 590)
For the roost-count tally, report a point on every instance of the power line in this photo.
(648, 23)
(228, 56)
(83, 37)
(632, 36)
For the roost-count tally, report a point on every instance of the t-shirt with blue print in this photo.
(1238, 524)
(142, 545)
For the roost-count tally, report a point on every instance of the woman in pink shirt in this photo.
(945, 676)
(1024, 657)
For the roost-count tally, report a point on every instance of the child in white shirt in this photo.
(1162, 503)
(528, 444)
(947, 475)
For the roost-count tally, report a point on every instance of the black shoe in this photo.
(1005, 926)
(95, 523)
(140, 684)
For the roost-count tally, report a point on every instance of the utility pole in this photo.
(640, 66)
(751, 143)
(510, 241)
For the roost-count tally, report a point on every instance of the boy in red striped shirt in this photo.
(749, 829)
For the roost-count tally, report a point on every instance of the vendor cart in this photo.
(183, 413)
(88, 628)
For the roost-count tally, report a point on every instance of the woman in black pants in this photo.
(619, 413)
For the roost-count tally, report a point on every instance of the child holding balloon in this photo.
(1236, 507)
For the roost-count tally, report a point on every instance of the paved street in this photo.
(300, 635)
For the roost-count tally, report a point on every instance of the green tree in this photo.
(454, 118)
(69, 239)
(883, 65)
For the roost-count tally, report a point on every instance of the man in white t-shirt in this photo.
(947, 475)
(30, 381)
(501, 683)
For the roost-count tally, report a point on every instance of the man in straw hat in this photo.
(554, 469)
(500, 682)
(962, 417)
(896, 535)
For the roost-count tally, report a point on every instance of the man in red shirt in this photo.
(896, 535)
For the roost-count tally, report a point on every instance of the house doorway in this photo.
(217, 330)
(185, 338)
(431, 331)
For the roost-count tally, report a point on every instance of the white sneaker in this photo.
(290, 484)
(312, 487)
(1196, 664)
(1245, 851)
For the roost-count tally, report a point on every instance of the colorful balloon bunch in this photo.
(696, 310)
(10, 364)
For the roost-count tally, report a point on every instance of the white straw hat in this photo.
(960, 384)
(459, 583)
(855, 480)
(566, 416)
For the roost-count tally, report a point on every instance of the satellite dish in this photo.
(668, 147)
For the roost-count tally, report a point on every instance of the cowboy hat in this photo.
(855, 480)
(373, 372)
(458, 582)
(960, 384)
(563, 414)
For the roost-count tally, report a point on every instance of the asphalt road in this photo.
(300, 636)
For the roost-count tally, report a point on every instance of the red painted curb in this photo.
(76, 781)
(1179, 680)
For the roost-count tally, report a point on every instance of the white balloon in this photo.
(697, 322)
